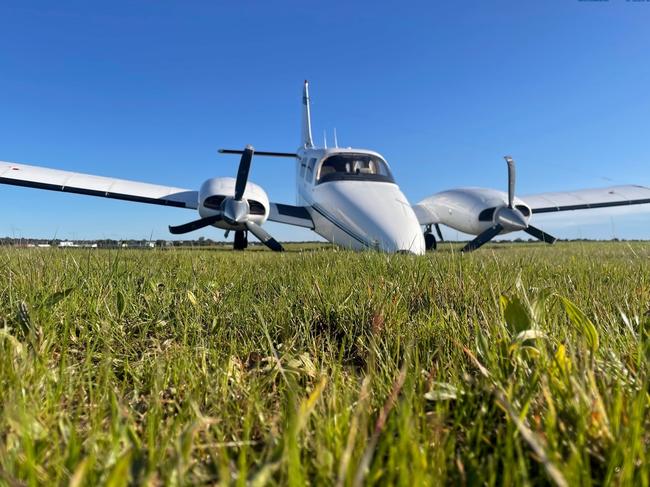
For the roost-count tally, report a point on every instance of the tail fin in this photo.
(306, 118)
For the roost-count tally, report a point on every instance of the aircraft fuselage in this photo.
(354, 200)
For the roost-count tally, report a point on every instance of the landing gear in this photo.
(430, 241)
(241, 240)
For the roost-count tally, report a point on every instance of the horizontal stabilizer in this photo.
(260, 153)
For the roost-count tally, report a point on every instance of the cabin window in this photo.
(354, 167)
(310, 169)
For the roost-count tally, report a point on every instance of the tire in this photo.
(430, 242)
(241, 240)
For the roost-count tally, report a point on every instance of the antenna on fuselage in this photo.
(306, 118)
(336, 141)
(325, 139)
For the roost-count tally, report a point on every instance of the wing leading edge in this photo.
(79, 183)
(588, 199)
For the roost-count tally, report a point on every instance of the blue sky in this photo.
(150, 90)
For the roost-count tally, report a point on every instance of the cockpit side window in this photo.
(309, 176)
(355, 167)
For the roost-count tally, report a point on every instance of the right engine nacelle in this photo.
(469, 209)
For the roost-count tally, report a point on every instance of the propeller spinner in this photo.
(235, 210)
(508, 218)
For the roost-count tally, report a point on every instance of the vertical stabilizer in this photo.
(306, 118)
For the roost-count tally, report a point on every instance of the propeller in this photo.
(264, 237)
(483, 238)
(242, 172)
(540, 235)
(511, 181)
(194, 225)
(508, 218)
(235, 209)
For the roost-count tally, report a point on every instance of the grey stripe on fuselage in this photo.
(341, 226)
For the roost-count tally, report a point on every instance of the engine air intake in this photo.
(214, 203)
(487, 215)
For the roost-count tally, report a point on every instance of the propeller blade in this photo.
(483, 238)
(242, 172)
(540, 235)
(439, 232)
(264, 237)
(511, 181)
(194, 225)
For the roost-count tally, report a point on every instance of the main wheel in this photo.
(430, 241)
(241, 240)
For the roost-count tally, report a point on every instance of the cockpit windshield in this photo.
(354, 167)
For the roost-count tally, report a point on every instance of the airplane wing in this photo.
(291, 215)
(588, 198)
(79, 183)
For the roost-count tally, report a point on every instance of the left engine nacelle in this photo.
(214, 191)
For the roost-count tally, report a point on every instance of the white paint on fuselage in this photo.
(357, 214)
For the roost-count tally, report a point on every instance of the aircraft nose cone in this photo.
(377, 214)
(511, 219)
(401, 235)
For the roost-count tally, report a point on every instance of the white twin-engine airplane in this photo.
(348, 196)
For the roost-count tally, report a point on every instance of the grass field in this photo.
(518, 364)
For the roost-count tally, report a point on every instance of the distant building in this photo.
(138, 244)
